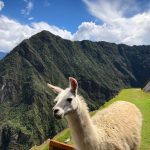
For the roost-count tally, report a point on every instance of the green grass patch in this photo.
(44, 146)
(62, 136)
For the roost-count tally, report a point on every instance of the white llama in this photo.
(116, 127)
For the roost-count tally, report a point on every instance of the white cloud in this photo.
(102, 9)
(1, 5)
(13, 32)
(39, 26)
(29, 6)
(91, 31)
(30, 18)
(109, 10)
(133, 31)
(117, 26)
(122, 22)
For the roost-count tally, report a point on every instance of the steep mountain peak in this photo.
(44, 35)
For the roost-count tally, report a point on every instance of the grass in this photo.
(136, 96)
(62, 136)
(44, 146)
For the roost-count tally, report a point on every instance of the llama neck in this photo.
(81, 126)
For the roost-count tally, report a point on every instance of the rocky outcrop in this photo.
(147, 87)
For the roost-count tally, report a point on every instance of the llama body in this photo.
(122, 123)
(117, 127)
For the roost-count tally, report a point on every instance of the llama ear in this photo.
(73, 84)
(55, 89)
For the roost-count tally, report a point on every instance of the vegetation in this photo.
(44, 146)
(101, 68)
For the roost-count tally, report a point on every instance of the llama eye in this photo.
(69, 100)
(54, 102)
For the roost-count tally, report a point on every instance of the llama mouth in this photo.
(58, 116)
(68, 112)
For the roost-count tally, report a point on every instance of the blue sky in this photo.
(66, 14)
(115, 21)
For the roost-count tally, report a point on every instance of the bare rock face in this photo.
(147, 87)
(5, 138)
(11, 139)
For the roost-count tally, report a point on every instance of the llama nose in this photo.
(56, 110)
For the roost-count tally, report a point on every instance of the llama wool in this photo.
(117, 127)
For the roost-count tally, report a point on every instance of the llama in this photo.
(116, 127)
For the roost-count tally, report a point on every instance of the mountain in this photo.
(101, 68)
(2, 55)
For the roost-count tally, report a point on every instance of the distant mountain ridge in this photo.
(101, 68)
(2, 55)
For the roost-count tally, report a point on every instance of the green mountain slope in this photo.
(101, 68)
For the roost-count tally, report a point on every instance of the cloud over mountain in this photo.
(118, 21)
(123, 22)
(12, 32)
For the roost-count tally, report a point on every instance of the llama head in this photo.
(66, 101)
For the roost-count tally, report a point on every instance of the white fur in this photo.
(117, 127)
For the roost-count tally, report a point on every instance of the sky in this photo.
(117, 21)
